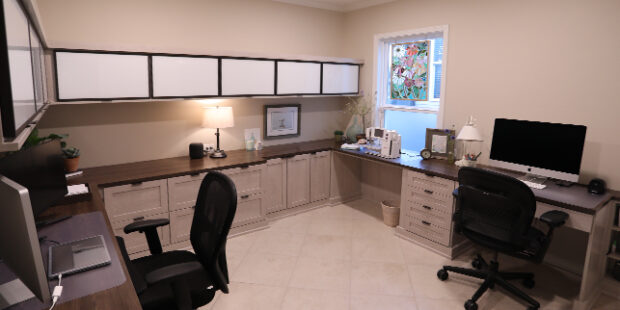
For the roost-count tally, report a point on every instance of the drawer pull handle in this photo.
(312, 153)
(195, 174)
(426, 223)
(288, 156)
(245, 196)
(426, 207)
(136, 183)
(139, 218)
(428, 191)
(245, 167)
(429, 175)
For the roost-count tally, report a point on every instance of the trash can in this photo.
(391, 212)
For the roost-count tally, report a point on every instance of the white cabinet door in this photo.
(96, 76)
(340, 78)
(298, 180)
(320, 167)
(247, 77)
(136, 201)
(136, 241)
(299, 78)
(181, 224)
(175, 76)
(183, 191)
(248, 210)
(275, 185)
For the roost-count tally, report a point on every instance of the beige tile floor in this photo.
(344, 257)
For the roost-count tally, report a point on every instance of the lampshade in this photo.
(469, 133)
(218, 117)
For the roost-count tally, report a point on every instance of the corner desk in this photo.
(334, 175)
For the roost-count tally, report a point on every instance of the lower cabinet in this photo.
(249, 184)
(298, 180)
(181, 224)
(275, 185)
(136, 242)
(248, 210)
(320, 169)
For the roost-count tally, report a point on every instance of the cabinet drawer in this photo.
(183, 190)
(411, 175)
(441, 220)
(427, 230)
(247, 180)
(436, 191)
(181, 224)
(126, 202)
(136, 242)
(248, 210)
(429, 205)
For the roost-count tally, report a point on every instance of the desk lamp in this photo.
(471, 144)
(216, 118)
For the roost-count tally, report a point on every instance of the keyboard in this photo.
(534, 185)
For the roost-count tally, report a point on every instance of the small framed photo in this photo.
(440, 142)
(282, 121)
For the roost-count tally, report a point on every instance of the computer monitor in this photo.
(41, 170)
(19, 246)
(545, 149)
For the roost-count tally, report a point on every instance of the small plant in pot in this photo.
(72, 159)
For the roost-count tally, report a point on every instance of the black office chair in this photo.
(181, 279)
(496, 211)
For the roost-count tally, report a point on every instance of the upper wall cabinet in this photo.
(340, 79)
(247, 77)
(21, 72)
(101, 76)
(299, 78)
(184, 77)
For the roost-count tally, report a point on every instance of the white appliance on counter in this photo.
(383, 143)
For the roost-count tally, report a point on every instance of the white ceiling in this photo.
(337, 5)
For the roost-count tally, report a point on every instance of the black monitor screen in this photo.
(40, 169)
(550, 146)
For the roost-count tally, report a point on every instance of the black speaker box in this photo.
(196, 151)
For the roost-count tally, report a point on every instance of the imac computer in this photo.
(539, 149)
(19, 247)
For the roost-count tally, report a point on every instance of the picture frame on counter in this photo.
(282, 121)
(440, 142)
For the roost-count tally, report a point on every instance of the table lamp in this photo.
(216, 118)
(471, 141)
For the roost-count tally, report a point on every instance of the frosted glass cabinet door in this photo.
(184, 76)
(20, 66)
(340, 78)
(248, 77)
(299, 78)
(101, 76)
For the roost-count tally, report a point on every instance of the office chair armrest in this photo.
(149, 228)
(554, 218)
(144, 225)
(172, 273)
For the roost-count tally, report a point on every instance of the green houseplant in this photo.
(71, 155)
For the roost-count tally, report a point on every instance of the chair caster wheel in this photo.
(471, 305)
(529, 283)
(477, 264)
(442, 275)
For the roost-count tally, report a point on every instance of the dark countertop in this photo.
(575, 197)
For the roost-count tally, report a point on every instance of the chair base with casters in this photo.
(489, 272)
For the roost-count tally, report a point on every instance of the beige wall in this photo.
(111, 133)
(538, 60)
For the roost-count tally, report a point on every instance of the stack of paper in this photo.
(77, 189)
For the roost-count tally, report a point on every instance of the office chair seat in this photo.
(536, 241)
(161, 296)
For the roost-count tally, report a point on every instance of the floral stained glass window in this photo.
(410, 71)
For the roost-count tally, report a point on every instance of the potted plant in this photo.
(359, 108)
(71, 155)
(338, 136)
(72, 158)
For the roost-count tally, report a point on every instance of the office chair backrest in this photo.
(494, 205)
(215, 209)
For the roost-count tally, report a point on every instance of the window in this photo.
(411, 117)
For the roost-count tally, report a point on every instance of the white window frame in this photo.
(381, 72)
